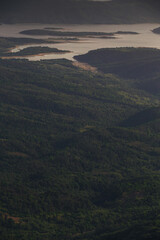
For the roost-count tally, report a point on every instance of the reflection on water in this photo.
(145, 38)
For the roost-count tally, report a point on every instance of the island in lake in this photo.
(35, 51)
(156, 30)
(44, 32)
(47, 32)
(7, 44)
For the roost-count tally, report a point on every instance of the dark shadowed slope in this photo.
(139, 66)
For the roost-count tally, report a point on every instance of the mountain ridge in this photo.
(72, 11)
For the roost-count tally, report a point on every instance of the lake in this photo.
(145, 38)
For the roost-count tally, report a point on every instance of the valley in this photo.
(80, 149)
(80, 120)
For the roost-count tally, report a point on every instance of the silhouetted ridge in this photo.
(80, 11)
(140, 64)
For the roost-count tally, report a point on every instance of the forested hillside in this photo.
(79, 150)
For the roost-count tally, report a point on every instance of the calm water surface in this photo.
(145, 38)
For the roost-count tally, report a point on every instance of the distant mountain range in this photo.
(80, 11)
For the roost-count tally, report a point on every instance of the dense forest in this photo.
(80, 11)
(80, 150)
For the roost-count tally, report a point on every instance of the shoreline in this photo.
(34, 55)
(85, 66)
